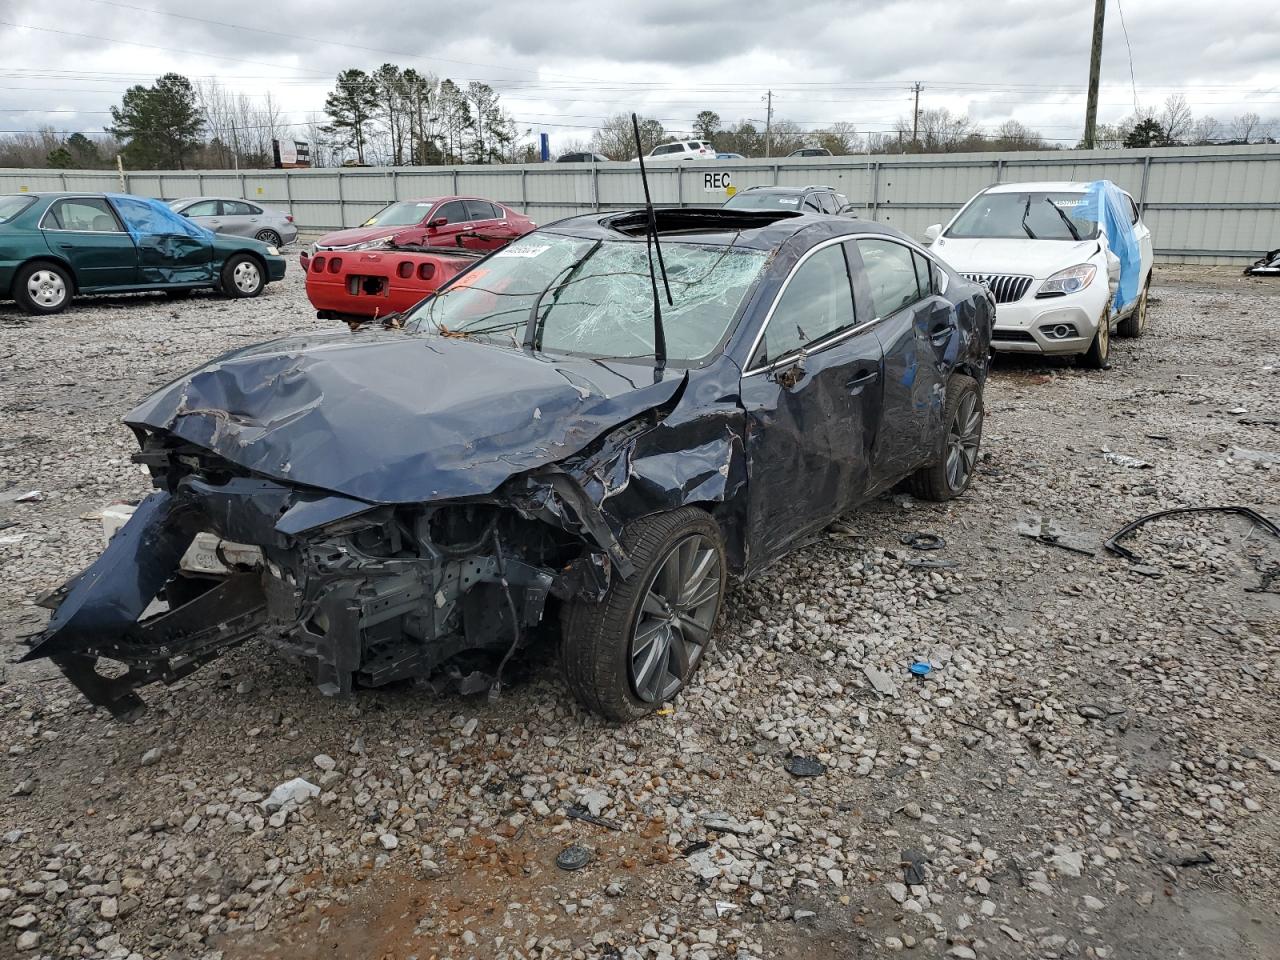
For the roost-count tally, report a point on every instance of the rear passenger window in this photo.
(817, 303)
(891, 272)
(924, 277)
(480, 210)
(234, 208)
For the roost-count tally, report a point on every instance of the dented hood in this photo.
(395, 417)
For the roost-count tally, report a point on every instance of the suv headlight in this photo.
(1071, 280)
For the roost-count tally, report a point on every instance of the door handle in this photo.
(861, 379)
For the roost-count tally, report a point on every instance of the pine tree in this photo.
(351, 106)
(161, 123)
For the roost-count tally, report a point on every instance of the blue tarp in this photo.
(146, 217)
(1111, 209)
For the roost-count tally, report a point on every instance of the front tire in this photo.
(951, 472)
(242, 276)
(1098, 355)
(627, 655)
(43, 288)
(1136, 322)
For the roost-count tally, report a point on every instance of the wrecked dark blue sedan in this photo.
(547, 449)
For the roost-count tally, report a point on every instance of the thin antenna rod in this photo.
(659, 335)
(648, 203)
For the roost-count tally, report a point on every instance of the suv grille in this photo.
(1007, 287)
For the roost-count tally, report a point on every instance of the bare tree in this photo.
(1206, 130)
(616, 140)
(1175, 118)
(1245, 127)
(1012, 135)
(938, 131)
(840, 138)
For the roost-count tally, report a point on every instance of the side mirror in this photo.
(185, 214)
(788, 376)
(932, 233)
(849, 208)
(437, 222)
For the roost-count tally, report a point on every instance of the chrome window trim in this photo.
(840, 335)
(94, 233)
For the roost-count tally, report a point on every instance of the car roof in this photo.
(752, 229)
(1041, 186)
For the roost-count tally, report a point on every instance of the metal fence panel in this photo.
(1204, 204)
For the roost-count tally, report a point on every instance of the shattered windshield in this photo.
(1026, 216)
(403, 214)
(13, 205)
(593, 298)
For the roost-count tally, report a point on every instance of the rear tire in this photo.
(243, 276)
(269, 237)
(627, 655)
(43, 288)
(1136, 322)
(1099, 352)
(952, 469)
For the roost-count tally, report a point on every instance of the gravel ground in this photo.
(1090, 769)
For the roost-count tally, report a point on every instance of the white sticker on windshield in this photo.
(525, 250)
(789, 201)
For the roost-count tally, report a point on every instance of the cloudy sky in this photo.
(562, 65)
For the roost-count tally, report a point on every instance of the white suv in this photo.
(683, 150)
(1043, 250)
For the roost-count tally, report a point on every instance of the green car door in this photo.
(172, 251)
(89, 235)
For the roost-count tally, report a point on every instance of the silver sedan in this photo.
(239, 218)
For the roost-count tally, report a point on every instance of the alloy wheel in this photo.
(963, 437)
(675, 619)
(246, 276)
(269, 237)
(47, 288)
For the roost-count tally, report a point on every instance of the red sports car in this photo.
(359, 285)
(433, 222)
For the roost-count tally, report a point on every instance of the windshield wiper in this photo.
(533, 324)
(1025, 212)
(1075, 234)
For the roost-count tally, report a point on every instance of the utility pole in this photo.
(768, 125)
(915, 117)
(1095, 69)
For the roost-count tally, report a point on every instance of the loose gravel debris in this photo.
(1090, 768)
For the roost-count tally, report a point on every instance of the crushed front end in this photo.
(359, 593)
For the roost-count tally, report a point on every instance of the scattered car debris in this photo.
(1243, 455)
(880, 681)
(921, 540)
(921, 668)
(1126, 461)
(1050, 534)
(24, 496)
(799, 766)
(1267, 265)
(1113, 545)
(586, 816)
(573, 857)
(913, 868)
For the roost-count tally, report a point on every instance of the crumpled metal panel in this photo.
(394, 417)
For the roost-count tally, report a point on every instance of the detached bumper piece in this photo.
(361, 594)
(99, 613)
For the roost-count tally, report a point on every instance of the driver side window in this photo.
(452, 212)
(818, 302)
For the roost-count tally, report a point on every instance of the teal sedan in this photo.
(54, 246)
